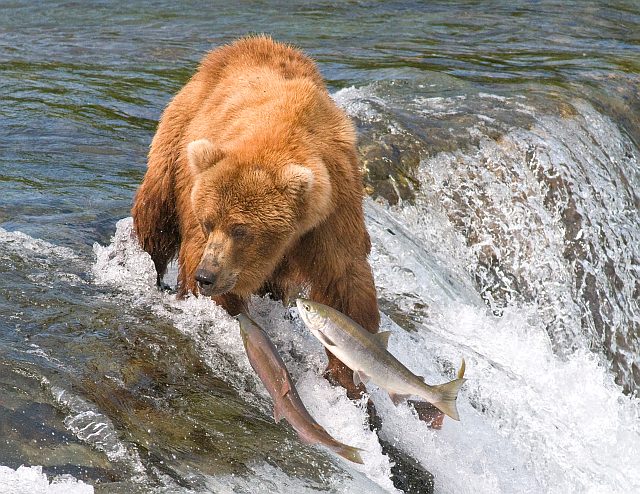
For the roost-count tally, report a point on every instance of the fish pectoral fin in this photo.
(286, 386)
(326, 341)
(306, 439)
(383, 338)
(398, 398)
(360, 377)
(277, 414)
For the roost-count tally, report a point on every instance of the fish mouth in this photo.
(301, 303)
(243, 319)
(302, 312)
(308, 313)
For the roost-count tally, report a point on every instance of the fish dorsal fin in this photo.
(463, 366)
(360, 377)
(383, 338)
(326, 341)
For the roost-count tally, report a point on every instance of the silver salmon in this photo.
(367, 356)
(268, 364)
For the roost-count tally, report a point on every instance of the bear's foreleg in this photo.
(154, 216)
(155, 209)
(191, 251)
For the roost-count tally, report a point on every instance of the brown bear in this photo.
(253, 181)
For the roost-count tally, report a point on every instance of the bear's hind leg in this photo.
(352, 293)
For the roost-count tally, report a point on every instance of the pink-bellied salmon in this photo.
(268, 364)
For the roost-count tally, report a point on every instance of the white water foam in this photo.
(33, 481)
(24, 244)
(124, 265)
(542, 420)
(531, 421)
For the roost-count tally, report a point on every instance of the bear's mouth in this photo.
(211, 290)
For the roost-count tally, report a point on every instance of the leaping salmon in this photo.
(367, 355)
(268, 364)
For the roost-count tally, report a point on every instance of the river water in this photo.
(501, 145)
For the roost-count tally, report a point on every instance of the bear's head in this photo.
(249, 215)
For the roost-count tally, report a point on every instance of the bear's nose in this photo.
(205, 277)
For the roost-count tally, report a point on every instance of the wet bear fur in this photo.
(253, 182)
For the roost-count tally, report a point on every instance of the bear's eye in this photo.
(239, 231)
(207, 227)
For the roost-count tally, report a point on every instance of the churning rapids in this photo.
(500, 145)
(540, 413)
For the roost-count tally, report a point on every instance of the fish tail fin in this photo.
(449, 393)
(351, 453)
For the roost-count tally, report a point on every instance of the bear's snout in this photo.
(205, 277)
(209, 282)
(214, 282)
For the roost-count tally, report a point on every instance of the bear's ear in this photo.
(297, 179)
(202, 154)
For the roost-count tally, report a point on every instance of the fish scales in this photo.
(265, 360)
(367, 355)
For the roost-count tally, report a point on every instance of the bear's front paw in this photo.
(343, 376)
(163, 287)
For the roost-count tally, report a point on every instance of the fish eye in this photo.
(307, 307)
